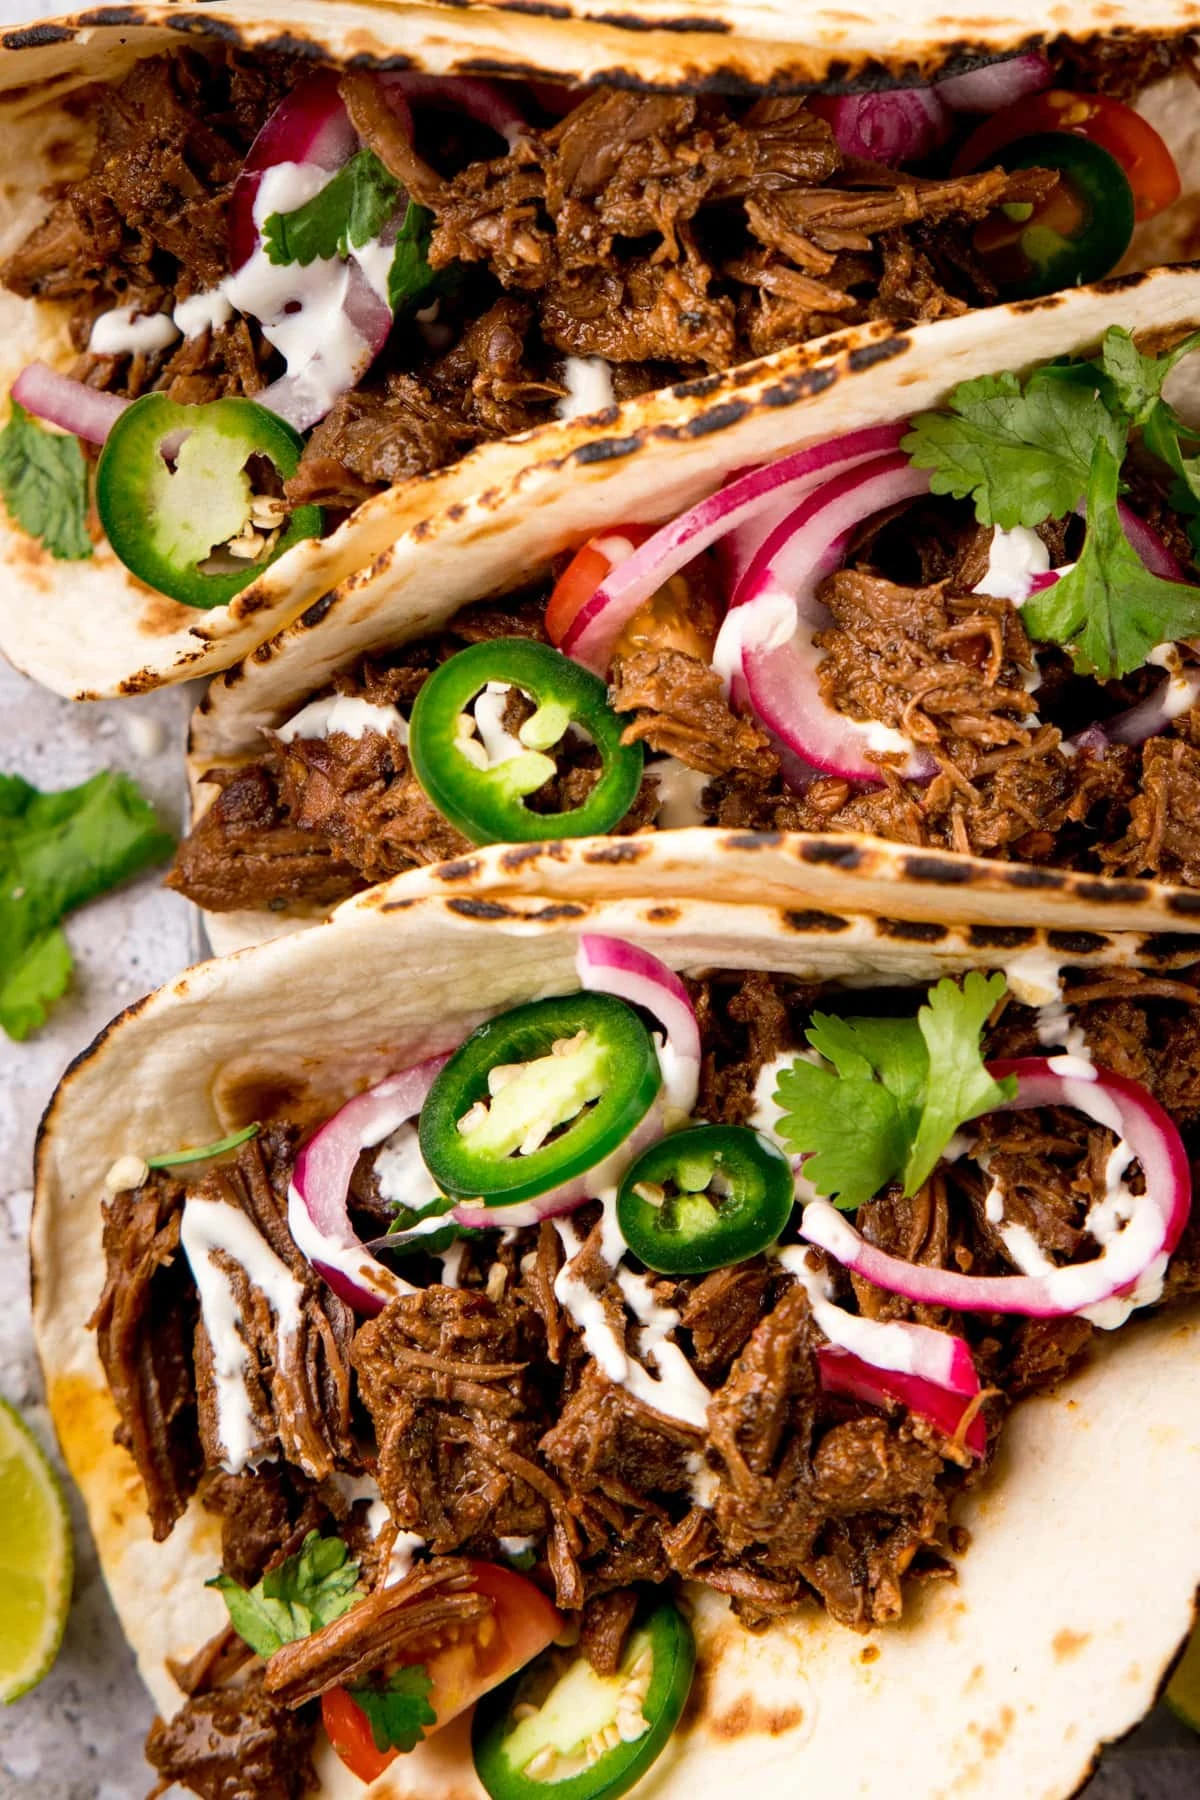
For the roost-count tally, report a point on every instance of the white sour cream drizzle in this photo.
(589, 387)
(210, 1226)
(1014, 558)
(341, 712)
(679, 791)
(1178, 695)
(516, 1546)
(499, 744)
(202, 312)
(1035, 978)
(887, 1346)
(126, 332)
(676, 1390)
(400, 1172)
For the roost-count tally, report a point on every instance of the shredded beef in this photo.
(299, 1391)
(234, 1744)
(605, 1627)
(262, 1511)
(244, 852)
(679, 709)
(144, 1322)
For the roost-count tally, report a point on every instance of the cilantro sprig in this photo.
(888, 1094)
(351, 210)
(397, 1707)
(310, 1589)
(1027, 451)
(43, 482)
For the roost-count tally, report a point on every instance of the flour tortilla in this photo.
(90, 629)
(1079, 1583)
(502, 540)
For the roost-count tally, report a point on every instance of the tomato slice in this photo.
(1133, 142)
(586, 570)
(520, 1626)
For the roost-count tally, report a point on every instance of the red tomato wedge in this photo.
(586, 570)
(1146, 160)
(521, 1624)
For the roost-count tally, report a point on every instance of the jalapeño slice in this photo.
(173, 492)
(538, 1096)
(556, 1749)
(486, 799)
(1077, 234)
(704, 1198)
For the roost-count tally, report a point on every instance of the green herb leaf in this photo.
(1110, 611)
(896, 1094)
(957, 1085)
(43, 481)
(306, 1591)
(410, 275)
(1022, 455)
(351, 209)
(398, 1708)
(56, 852)
(175, 1157)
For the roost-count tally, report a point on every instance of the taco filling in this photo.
(731, 1281)
(289, 290)
(974, 631)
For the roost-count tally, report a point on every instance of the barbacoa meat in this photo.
(234, 1743)
(666, 234)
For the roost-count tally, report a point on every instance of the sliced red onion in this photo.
(61, 400)
(997, 84)
(894, 126)
(484, 101)
(318, 1218)
(1170, 700)
(557, 1201)
(842, 1372)
(310, 125)
(1149, 546)
(891, 1344)
(303, 397)
(1131, 1261)
(598, 624)
(768, 640)
(608, 965)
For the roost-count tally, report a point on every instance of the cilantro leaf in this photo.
(410, 274)
(57, 851)
(957, 1086)
(895, 1095)
(310, 1589)
(351, 209)
(1022, 456)
(43, 481)
(1110, 611)
(397, 1707)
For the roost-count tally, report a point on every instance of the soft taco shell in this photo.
(500, 539)
(1085, 1556)
(90, 629)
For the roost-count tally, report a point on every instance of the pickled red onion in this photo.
(593, 633)
(609, 965)
(61, 400)
(1137, 1253)
(318, 1218)
(893, 125)
(996, 84)
(842, 1372)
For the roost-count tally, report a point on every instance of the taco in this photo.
(941, 649)
(506, 1311)
(269, 277)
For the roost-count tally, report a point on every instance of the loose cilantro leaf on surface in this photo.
(43, 482)
(352, 208)
(957, 1086)
(1110, 611)
(397, 1707)
(1021, 455)
(56, 852)
(896, 1094)
(306, 1591)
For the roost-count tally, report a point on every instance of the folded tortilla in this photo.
(503, 540)
(90, 628)
(1085, 1555)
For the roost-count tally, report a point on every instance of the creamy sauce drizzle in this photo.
(1178, 695)
(202, 312)
(126, 332)
(1035, 978)
(210, 1226)
(400, 1172)
(1014, 558)
(679, 791)
(341, 712)
(588, 381)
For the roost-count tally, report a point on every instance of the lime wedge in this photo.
(1183, 1689)
(36, 1559)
